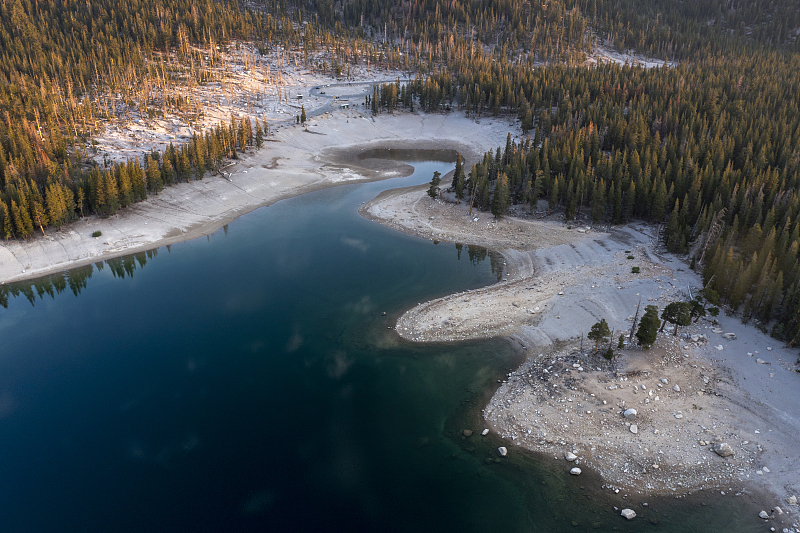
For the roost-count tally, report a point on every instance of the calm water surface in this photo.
(250, 382)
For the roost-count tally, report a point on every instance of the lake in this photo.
(252, 381)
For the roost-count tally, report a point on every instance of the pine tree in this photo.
(39, 215)
(554, 192)
(8, 230)
(433, 190)
(56, 204)
(458, 179)
(677, 313)
(259, 135)
(599, 201)
(154, 182)
(648, 327)
(599, 333)
(501, 196)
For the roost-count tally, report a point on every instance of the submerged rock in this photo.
(467, 432)
(502, 451)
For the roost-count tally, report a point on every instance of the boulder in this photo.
(629, 414)
(764, 515)
(630, 514)
(502, 451)
(634, 429)
(485, 432)
(777, 510)
(761, 361)
(792, 500)
(467, 432)
(664, 381)
(569, 456)
(575, 471)
(723, 449)
(676, 388)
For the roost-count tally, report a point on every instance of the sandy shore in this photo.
(297, 161)
(558, 282)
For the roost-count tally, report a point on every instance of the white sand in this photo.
(297, 162)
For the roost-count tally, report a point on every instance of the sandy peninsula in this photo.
(691, 392)
(294, 161)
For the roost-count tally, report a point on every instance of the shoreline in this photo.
(557, 282)
(299, 162)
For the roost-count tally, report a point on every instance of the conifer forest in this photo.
(705, 144)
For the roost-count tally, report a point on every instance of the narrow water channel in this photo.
(251, 381)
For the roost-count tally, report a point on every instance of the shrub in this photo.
(635, 270)
(97, 233)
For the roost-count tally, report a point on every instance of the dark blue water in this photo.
(251, 382)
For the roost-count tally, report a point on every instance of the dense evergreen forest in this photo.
(708, 149)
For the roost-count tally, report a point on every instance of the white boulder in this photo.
(575, 471)
(629, 414)
(569, 456)
(630, 514)
(502, 451)
(723, 449)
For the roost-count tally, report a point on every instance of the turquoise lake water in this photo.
(250, 381)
